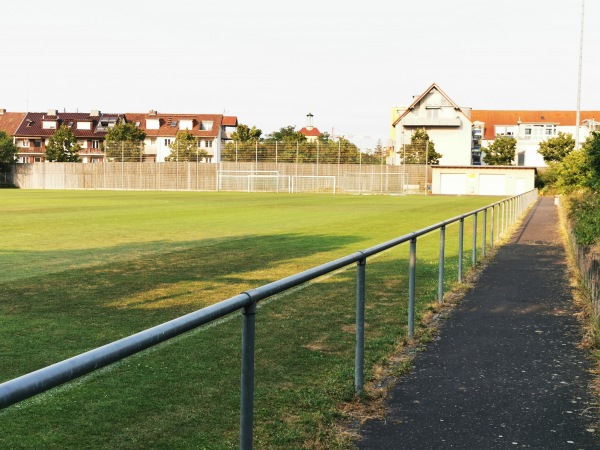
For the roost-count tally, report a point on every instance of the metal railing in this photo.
(497, 218)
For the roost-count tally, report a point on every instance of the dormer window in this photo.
(137, 124)
(206, 125)
(174, 123)
(84, 125)
(186, 124)
(49, 124)
(152, 124)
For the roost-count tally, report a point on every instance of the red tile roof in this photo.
(169, 123)
(31, 126)
(314, 131)
(230, 121)
(10, 121)
(504, 117)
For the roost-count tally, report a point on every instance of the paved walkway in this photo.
(506, 370)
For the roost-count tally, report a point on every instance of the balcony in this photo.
(431, 122)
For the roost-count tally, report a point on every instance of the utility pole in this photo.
(578, 115)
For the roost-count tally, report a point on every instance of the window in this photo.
(527, 131)
(25, 143)
(96, 144)
(209, 143)
(37, 143)
(49, 125)
(84, 125)
(167, 142)
(433, 113)
(37, 159)
(174, 123)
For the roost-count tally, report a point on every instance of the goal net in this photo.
(314, 183)
(253, 181)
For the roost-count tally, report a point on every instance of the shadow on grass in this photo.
(77, 309)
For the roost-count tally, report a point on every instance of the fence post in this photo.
(441, 264)
(474, 249)
(461, 229)
(412, 271)
(359, 363)
(247, 379)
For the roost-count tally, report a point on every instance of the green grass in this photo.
(81, 269)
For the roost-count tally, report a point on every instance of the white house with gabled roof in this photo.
(448, 126)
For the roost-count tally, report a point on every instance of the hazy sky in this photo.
(271, 62)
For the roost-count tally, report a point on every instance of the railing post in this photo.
(492, 219)
(461, 229)
(411, 287)
(474, 249)
(484, 235)
(247, 379)
(359, 358)
(441, 264)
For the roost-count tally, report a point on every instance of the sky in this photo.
(271, 62)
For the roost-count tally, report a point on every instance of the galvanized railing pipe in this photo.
(474, 248)
(412, 279)
(359, 357)
(441, 264)
(461, 229)
(247, 378)
(484, 237)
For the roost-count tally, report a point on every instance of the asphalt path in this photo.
(507, 369)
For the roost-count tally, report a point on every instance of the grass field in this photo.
(80, 269)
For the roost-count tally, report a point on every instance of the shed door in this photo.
(453, 183)
(492, 184)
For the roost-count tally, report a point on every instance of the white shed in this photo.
(482, 180)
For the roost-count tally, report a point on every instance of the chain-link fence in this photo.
(226, 176)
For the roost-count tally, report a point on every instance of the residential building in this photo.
(529, 128)
(448, 126)
(461, 134)
(33, 133)
(212, 131)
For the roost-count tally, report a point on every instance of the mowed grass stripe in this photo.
(80, 269)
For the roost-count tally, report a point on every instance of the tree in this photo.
(501, 152)
(556, 148)
(124, 142)
(185, 148)
(8, 150)
(244, 133)
(591, 147)
(420, 149)
(286, 134)
(62, 146)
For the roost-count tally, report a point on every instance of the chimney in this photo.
(152, 112)
(2, 111)
(53, 112)
(95, 113)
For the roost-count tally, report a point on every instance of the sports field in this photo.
(79, 269)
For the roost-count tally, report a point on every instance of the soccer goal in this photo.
(313, 183)
(253, 181)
